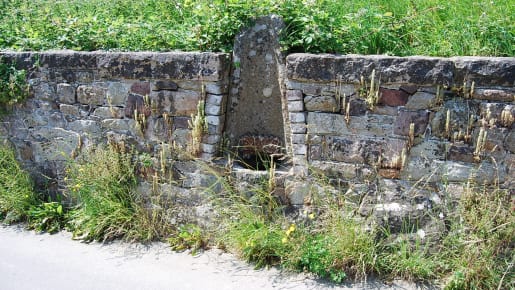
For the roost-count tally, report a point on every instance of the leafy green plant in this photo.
(13, 84)
(47, 217)
(16, 190)
(317, 258)
(403, 27)
(188, 236)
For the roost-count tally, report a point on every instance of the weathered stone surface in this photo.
(388, 97)
(297, 117)
(335, 124)
(117, 93)
(461, 152)
(350, 68)
(216, 88)
(460, 116)
(44, 91)
(191, 66)
(402, 124)
(213, 110)
(345, 171)
(69, 110)
(485, 71)
(118, 124)
(108, 112)
(165, 85)
(184, 103)
(84, 126)
(256, 98)
(68, 59)
(54, 144)
(140, 88)
(125, 64)
(320, 104)
(420, 101)
(216, 100)
(294, 95)
(66, 93)
(136, 103)
(295, 106)
(91, 95)
(432, 149)
(509, 143)
(494, 95)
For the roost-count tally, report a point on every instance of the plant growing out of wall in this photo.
(198, 126)
(370, 94)
(13, 85)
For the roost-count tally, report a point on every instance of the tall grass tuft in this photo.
(16, 188)
(103, 184)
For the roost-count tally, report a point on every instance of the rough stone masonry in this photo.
(397, 133)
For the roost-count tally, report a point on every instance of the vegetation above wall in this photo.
(406, 27)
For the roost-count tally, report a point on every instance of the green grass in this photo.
(13, 85)
(475, 251)
(17, 195)
(403, 27)
(103, 185)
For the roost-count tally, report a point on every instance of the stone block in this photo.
(461, 152)
(460, 113)
(298, 138)
(213, 120)
(402, 123)
(216, 100)
(421, 101)
(140, 88)
(295, 106)
(394, 98)
(294, 95)
(117, 93)
(129, 65)
(335, 124)
(69, 110)
(494, 95)
(298, 128)
(509, 142)
(321, 104)
(297, 118)
(84, 126)
(66, 93)
(184, 103)
(216, 88)
(118, 124)
(213, 110)
(43, 91)
(91, 95)
(109, 112)
(300, 149)
(191, 66)
(485, 71)
(165, 85)
(136, 103)
(54, 144)
(208, 148)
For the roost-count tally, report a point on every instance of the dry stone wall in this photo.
(140, 100)
(401, 133)
(398, 134)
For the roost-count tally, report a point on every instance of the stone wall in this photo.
(401, 133)
(140, 100)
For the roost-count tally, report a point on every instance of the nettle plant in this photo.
(13, 84)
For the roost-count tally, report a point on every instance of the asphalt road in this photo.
(41, 261)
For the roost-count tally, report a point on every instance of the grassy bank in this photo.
(404, 27)
(473, 250)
